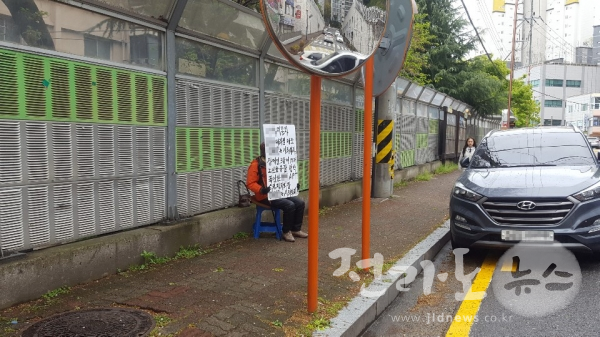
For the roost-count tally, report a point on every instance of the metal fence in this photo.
(161, 118)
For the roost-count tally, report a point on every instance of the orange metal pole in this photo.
(313, 192)
(367, 159)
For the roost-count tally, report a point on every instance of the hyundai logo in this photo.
(526, 205)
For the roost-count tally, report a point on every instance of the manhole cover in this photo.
(113, 322)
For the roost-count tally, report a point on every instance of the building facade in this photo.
(546, 29)
(554, 84)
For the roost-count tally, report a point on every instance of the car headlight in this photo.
(460, 191)
(589, 193)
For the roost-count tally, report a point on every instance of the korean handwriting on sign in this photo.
(282, 162)
(527, 283)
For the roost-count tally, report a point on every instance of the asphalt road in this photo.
(540, 309)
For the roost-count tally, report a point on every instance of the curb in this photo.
(358, 315)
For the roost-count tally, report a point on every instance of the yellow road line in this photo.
(461, 325)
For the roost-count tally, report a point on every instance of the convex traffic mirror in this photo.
(328, 38)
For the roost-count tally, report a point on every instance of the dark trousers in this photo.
(293, 212)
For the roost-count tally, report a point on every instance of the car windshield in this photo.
(533, 149)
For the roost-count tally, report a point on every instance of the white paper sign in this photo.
(281, 159)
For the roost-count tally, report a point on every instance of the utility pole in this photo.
(512, 64)
(530, 42)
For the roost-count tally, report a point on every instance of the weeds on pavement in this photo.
(446, 168)
(54, 293)
(425, 176)
(151, 259)
(401, 183)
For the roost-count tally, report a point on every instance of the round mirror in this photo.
(329, 38)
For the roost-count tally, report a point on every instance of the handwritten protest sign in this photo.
(282, 160)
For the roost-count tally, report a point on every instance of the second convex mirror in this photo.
(328, 38)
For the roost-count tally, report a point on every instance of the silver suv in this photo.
(533, 184)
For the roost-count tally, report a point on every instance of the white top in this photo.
(468, 154)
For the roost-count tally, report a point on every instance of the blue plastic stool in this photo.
(266, 227)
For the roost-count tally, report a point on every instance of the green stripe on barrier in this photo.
(200, 149)
(54, 89)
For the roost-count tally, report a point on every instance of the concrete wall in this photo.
(29, 277)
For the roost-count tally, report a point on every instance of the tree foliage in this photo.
(525, 109)
(437, 57)
(30, 24)
(417, 58)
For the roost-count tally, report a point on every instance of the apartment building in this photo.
(555, 84)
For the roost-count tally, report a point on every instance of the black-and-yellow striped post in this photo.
(385, 130)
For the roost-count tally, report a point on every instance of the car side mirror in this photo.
(465, 162)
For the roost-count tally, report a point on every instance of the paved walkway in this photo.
(256, 287)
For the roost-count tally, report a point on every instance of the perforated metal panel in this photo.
(421, 156)
(62, 200)
(106, 150)
(11, 219)
(125, 150)
(38, 215)
(422, 125)
(125, 203)
(194, 201)
(85, 151)
(159, 197)
(142, 150)
(37, 151)
(211, 105)
(182, 195)
(86, 209)
(158, 150)
(10, 152)
(142, 201)
(357, 154)
(407, 142)
(106, 206)
(62, 150)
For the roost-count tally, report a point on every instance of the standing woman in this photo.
(468, 150)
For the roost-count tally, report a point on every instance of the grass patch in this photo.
(400, 184)
(240, 235)
(190, 252)
(56, 292)
(425, 176)
(324, 210)
(151, 259)
(319, 320)
(162, 320)
(277, 323)
(446, 168)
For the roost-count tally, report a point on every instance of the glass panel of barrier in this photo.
(203, 60)
(63, 28)
(156, 9)
(225, 22)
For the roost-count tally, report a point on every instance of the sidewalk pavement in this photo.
(248, 287)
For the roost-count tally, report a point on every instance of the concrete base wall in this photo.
(38, 272)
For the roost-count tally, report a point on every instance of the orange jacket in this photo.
(253, 179)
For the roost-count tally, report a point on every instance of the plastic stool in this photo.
(266, 227)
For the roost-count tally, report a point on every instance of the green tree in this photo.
(482, 85)
(30, 23)
(524, 108)
(417, 57)
(451, 43)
